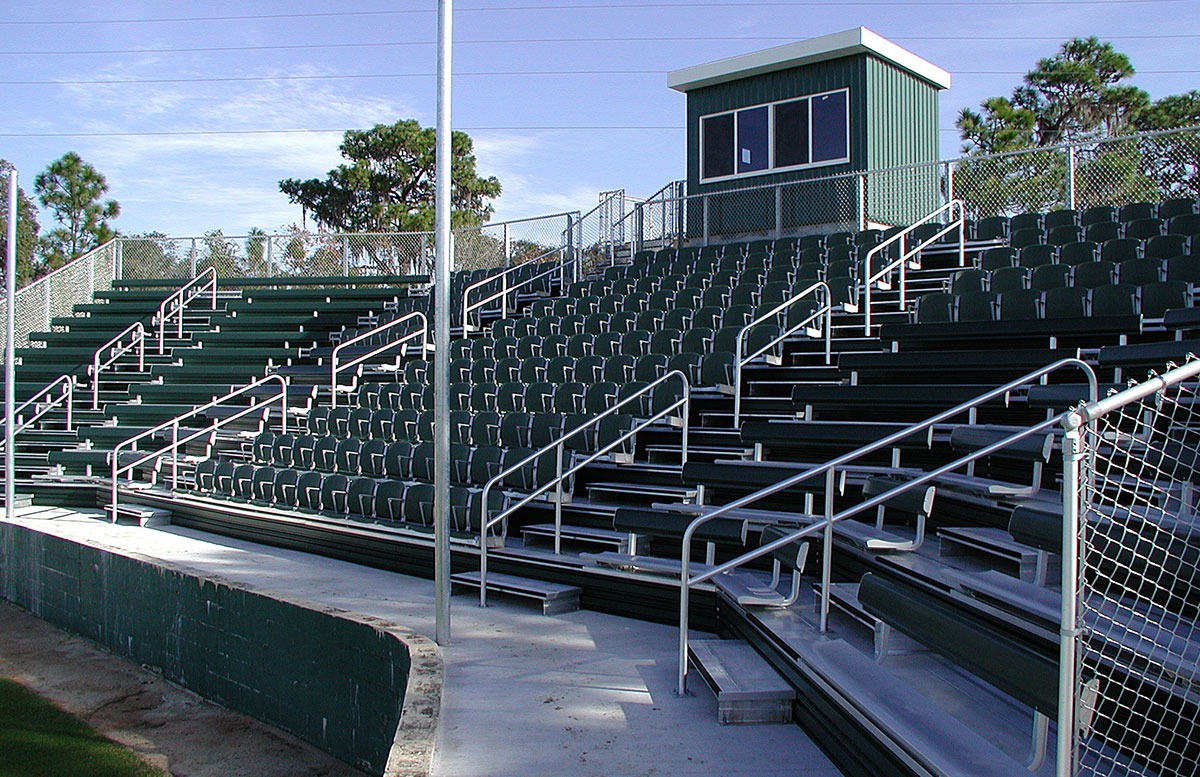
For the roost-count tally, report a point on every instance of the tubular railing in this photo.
(741, 360)
(335, 367)
(906, 254)
(173, 447)
(506, 289)
(175, 304)
(119, 349)
(829, 469)
(42, 402)
(561, 476)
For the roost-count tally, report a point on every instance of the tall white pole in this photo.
(10, 388)
(441, 334)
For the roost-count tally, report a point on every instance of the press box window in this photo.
(780, 136)
(717, 132)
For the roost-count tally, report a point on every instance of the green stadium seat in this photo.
(1165, 246)
(1008, 279)
(1065, 302)
(1143, 229)
(1177, 206)
(975, 306)
(1037, 255)
(308, 491)
(1023, 238)
(1020, 305)
(1118, 299)
(1135, 211)
(1159, 297)
(1068, 233)
(1102, 231)
(1120, 250)
(1097, 214)
(1094, 274)
(996, 258)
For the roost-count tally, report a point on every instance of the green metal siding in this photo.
(770, 87)
(902, 129)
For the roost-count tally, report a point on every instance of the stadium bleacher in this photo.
(960, 566)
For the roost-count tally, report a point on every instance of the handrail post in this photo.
(175, 454)
(558, 498)
(685, 559)
(827, 548)
(1073, 454)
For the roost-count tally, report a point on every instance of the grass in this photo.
(37, 739)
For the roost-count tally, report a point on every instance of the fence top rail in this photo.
(908, 431)
(1095, 143)
(1097, 407)
(69, 265)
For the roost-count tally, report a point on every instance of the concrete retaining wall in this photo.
(335, 679)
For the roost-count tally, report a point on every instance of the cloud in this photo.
(188, 184)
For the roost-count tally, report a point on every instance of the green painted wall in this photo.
(902, 129)
(336, 682)
(893, 121)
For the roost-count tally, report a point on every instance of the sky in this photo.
(195, 111)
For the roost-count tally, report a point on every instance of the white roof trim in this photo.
(840, 44)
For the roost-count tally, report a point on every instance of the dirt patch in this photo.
(172, 728)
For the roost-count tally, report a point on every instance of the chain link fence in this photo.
(303, 254)
(1132, 547)
(1147, 167)
(57, 294)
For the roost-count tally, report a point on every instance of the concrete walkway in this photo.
(524, 694)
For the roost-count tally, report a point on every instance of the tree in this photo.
(27, 232)
(1078, 94)
(72, 189)
(388, 183)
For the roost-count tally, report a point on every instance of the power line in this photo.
(476, 74)
(178, 133)
(508, 41)
(578, 6)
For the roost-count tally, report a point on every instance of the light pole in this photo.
(441, 333)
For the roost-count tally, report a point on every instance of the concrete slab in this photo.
(574, 695)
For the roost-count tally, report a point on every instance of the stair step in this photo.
(583, 535)
(995, 544)
(141, 514)
(748, 689)
(555, 598)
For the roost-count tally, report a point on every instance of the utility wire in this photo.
(580, 6)
(508, 41)
(478, 74)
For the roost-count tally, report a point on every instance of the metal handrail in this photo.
(686, 581)
(66, 395)
(173, 424)
(335, 368)
(561, 477)
(505, 289)
(138, 342)
(741, 361)
(906, 254)
(181, 297)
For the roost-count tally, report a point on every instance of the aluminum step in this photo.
(555, 598)
(748, 689)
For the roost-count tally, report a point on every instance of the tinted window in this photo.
(829, 127)
(718, 146)
(753, 146)
(791, 133)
